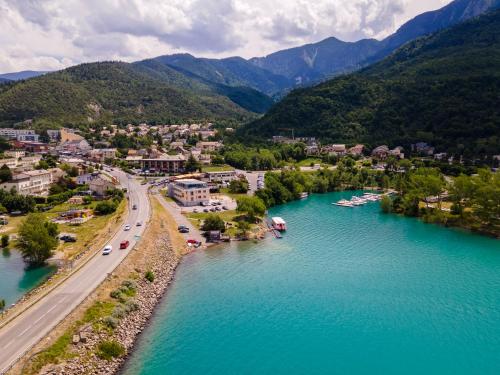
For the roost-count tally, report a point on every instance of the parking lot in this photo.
(217, 203)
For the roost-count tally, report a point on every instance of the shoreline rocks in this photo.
(163, 262)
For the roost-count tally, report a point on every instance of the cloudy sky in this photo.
(53, 34)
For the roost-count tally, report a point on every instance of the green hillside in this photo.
(443, 89)
(115, 91)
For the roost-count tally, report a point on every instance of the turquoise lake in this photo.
(15, 279)
(346, 291)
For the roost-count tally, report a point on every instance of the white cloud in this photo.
(52, 34)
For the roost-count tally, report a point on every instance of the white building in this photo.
(30, 183)
(221, 176)
(189, 192)
(19, 134)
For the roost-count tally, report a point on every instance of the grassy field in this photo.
(217, 168)
(230, 217)
(307, 162)
(225, 191)
(86, 233)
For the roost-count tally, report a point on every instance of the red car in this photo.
(194, 242)
(124, 244)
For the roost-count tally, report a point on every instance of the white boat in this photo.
(343, 203)
(279, 224)
(304, 195)
(357, 201)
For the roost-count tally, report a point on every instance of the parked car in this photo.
(67, 238)
(195, 211)
(107, 250)
(127, 227)
(138, 224)
(124, 244)
(205, 210)
(194, 243)
(225, 208)
(212, 209)
(217, 208)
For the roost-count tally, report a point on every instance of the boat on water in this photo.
(343, 203)
(304, 195)
(357, 201)
(278, 224)
(372, 197)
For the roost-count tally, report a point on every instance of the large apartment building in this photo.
(189, 192)
(31, 182)
(164, 164)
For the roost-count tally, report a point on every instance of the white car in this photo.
(107, 250)
(127, 227)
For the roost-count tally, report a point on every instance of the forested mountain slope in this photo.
(443, 89)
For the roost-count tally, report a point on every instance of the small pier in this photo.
(275, 232)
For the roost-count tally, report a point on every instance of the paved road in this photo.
(31, 326)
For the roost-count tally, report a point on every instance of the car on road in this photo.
(127, 227)
(139, 224)
(107, 250)
(183, 229)
(134, 207)
(205, 210)
(124, 244)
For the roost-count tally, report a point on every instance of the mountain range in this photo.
(443, 89)
(25, 74)
(211, 88)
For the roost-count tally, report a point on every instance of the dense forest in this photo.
(121, 92)
(443, 89)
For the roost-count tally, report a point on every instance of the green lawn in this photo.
(85, 233)
(227, 216)
(225, 191)
(217, 168)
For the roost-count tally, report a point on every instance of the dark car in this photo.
(67, 238)
(134, 207)
(184, 230)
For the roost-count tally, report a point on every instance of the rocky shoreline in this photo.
(163, 264)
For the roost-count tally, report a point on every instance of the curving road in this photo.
(32, 325)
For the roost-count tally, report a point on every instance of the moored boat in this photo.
(278, 223)
(343, 203)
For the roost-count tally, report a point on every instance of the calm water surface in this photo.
(15, 279)
(346, 291)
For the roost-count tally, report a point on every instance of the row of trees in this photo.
(263, 158)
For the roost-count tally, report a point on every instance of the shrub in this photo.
(213, 222)
(110, 322)
(131, 305)
(105, 207)
(5, 240)
(110, 349)
(119, 312)
(130, 284)
(150, 276)
(116, 294)
(386, 204)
